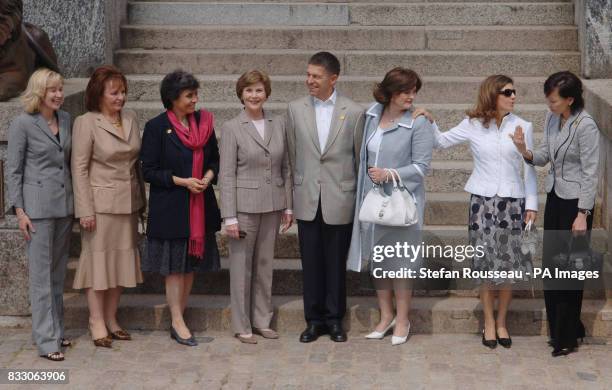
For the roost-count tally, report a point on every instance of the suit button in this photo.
(267, 154)
(39, 182)
(268, 181)
(62, 186)
(61, 167)
(61, 149)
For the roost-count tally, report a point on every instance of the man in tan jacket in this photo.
(324, 132)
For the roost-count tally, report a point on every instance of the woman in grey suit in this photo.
(571, 146)
(255, 197)
(392, 139)
(40, 192)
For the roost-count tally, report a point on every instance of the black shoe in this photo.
(336, 333)
(190, 341)
(551, 343)
(488, 343)
(505, 342)
(312, 332)
(562, 351)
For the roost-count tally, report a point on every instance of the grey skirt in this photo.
(496, 224)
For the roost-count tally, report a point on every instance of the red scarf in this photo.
(194, 138)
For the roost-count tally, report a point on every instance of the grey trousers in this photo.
(251, 267)
(47, 257)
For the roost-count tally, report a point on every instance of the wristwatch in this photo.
(585, 212)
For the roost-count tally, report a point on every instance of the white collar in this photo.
(330, 101)
(407, 120)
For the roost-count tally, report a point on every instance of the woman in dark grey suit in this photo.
(255, 192)
(40, 192)
(571, 146)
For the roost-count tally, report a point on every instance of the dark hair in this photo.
(327, 60)
(174, 84)
(396, 80)
(568, 86)
(253, 77)
(97, 81)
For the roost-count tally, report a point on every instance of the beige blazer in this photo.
(105, 172)
(254, 176)
(329, 174)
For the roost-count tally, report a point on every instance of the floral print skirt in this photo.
(496, 224)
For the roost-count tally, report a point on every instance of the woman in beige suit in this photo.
(109, 194)
(255, 197)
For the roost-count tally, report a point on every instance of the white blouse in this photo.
(497, 162)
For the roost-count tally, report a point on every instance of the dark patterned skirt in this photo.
(496, 224)
(167, 257)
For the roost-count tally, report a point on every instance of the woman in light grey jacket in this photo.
(40, 192)
(392, 139)
(571, 146)
(256, 195)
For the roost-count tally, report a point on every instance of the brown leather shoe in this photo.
(105, 342)
(246, 340)
(120, 335)
(266, 333)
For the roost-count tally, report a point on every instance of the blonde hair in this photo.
(486, 105)
(38, 83)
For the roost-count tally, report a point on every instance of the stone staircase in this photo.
(452, 44)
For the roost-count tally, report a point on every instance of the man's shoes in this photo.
(312, 332)
(336, 333)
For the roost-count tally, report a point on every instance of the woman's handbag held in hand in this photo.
(397, 209)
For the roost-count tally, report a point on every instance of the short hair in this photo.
(97, 82)
(253, 77)
(568, 85)
(396, 80)
(486, 105)
(327, 60)
(174, 84)
(38, 83)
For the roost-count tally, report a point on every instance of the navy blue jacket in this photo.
(163, 155)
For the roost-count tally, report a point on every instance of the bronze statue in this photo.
(23, 48)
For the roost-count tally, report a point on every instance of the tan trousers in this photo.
(251, 268)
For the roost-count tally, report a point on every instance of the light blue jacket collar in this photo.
(376, 110)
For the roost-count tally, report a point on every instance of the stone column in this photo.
(594, 21)
(84, 33)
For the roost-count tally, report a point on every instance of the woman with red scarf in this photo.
(180, 160)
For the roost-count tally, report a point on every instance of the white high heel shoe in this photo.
(380, 335)
(397, 340)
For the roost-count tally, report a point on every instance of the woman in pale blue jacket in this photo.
(392, 139)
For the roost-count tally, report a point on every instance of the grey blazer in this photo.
(573, 152)
(329, 174)
(408, 148)
(254, 176)
(38, 167)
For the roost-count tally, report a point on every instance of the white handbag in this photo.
(397, 209)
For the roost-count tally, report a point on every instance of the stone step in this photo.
(446, 115)
(440, 89)
(351, 38)
(345, 1)
(287, 245)
(354, 63)
(341, 14)
(428, 315)
(287, 280)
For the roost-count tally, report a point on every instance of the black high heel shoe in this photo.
(562, 351)
(503, 341)
(189, 342)
(488, 343)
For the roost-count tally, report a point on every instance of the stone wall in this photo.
(594, 21)
(84, 33)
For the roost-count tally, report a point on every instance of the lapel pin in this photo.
(342, 118)
(169, 131)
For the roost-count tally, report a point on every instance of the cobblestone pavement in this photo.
(152, 360)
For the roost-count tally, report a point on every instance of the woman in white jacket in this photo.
(500, 199)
